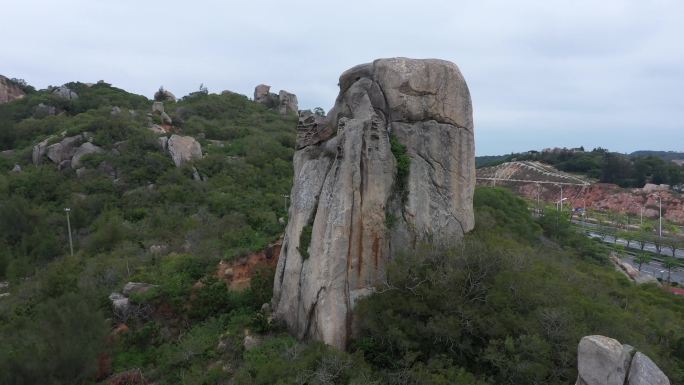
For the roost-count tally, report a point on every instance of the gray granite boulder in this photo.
(602, 361)
(86, 148)
(183, 149)
(65, 92)
(643, 371)
(605, 361)
(65, 149)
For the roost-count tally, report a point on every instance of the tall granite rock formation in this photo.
(353, 206)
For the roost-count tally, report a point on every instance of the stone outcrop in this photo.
(183, 149)
(643, 371)
(85, 149)
(39, 151)
(65, 149)
(65, 92)
(352, 208)
(9, 91)
(283, 102)
(163, 95)
(605, 361)
(287, 103)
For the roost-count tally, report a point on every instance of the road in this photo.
(664, 250)
(657, 270)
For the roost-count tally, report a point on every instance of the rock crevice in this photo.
(345, 178)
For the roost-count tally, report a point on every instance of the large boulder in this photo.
(355, 202)
(643, 371)
(9, 90)
(183, 149)
(283, 102)
(605, 361)
(287, 103)
(39, 151)
(163, 95)
(158, 107)
(86, 148)
(261, 92)
(602, 361)
(65, 149)
(65, 92)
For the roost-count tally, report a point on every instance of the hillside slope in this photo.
(172, 269)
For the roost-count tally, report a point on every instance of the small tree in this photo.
(318, 111)
(160, 96)
(669, 263)
(643, 258)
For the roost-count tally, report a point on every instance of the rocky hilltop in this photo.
(9, 91)
(391, 166)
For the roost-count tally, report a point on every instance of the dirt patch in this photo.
(237, 274)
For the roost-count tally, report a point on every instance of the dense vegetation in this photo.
(506, 307)
(608, 167)
(52, 322)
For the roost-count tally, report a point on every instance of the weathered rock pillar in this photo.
(356, 202)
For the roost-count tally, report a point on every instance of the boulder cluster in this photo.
(181, 149)
(283, 102)
(65, 153)
(391, 166)
(605, 361)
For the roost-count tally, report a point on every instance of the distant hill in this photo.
(665, 155)
(625, 170)
(490, 160)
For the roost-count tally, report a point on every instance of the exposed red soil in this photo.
(607, 197)
(237, 274)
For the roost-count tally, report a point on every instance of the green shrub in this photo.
(305, 241)
(403, 167)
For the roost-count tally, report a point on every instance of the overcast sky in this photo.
(542, 73)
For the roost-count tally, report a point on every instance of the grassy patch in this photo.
(403, 166)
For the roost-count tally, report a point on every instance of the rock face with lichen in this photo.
(390, 167)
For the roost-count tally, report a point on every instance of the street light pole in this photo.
(660, 219)
(71, 242)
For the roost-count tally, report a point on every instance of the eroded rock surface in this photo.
(348, 199)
